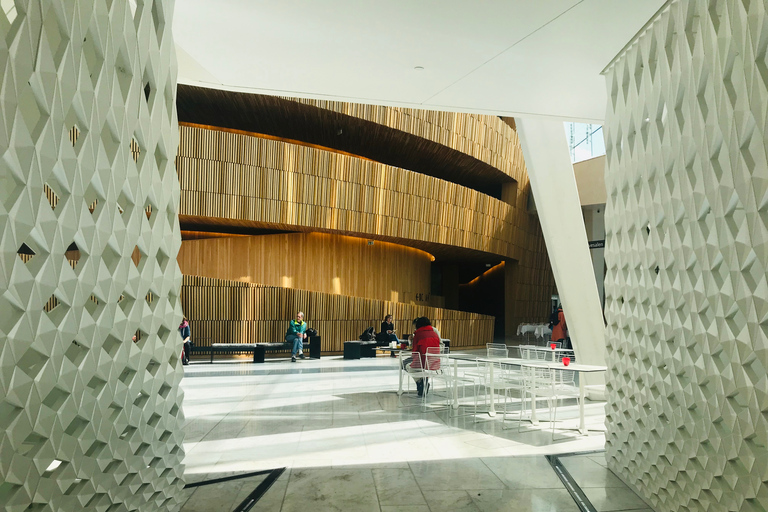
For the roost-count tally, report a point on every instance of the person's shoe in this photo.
(293, 359)
(301, 356)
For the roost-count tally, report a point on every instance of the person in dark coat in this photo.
(387, 332)
(186, 336)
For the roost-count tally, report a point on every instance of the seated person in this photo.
(424, 337)
(387, 332)
(296, 334)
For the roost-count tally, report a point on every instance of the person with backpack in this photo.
(296, 334)
(559, 329)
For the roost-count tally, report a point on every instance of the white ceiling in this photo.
(502, 57)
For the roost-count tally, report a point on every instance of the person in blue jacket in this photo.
(296, 334)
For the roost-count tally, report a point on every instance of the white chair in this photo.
(505, 381)
(436, 370)
(552, 384)
(497, 351)
(413, 370)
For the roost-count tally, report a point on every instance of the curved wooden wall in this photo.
(335, 264)
(239, 177)
(487, 138)
(237, 312)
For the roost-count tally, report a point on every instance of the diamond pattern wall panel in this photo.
(687, 252)
(89, 419)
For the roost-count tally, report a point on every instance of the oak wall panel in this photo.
(240, 177)
(486, 138)
(334, 264)
(237, 312)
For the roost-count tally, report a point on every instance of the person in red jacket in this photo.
(559, 329)
(424, 337)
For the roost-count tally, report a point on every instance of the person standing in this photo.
(559, 329)
(296, 333)
(186, 336)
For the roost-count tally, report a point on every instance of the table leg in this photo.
(400, 376)
(492, 410)
(455, 384)
(582, 423)
(534, 421)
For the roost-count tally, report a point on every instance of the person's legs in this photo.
(187, 351)
(293, 338)
(419, 383)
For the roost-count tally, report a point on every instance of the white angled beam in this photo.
(553, 184)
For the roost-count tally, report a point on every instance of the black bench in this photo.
(260, 349)
(356, 349)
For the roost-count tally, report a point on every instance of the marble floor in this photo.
(348, 442)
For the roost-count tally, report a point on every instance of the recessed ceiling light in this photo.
(419, 68)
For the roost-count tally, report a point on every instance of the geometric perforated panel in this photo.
(89, 419)
(687, 252)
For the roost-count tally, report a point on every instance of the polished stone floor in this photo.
(348, 442)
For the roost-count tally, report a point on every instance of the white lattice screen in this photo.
(687, 253)
(89, 420)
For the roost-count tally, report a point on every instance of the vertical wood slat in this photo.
(236, 312)
(423, 207)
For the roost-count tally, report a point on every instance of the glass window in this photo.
(585, 141)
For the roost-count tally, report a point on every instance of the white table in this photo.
(574, 367)
(542, 330)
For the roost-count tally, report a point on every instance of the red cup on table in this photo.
(566, 361)
(552, 346)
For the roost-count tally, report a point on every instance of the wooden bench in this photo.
(260, 349)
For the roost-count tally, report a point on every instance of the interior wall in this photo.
(89, 419)
(238, 312)
(320, 262)
(687, 254)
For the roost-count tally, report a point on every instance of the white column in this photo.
(553, 184)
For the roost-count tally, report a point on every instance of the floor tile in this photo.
(524, 500)
(405, 508)
(397, 487)
(455, 501)
(588, 473)
(524, 472)
(219, 496)
(454, 475)
(273, 499)
(319, 490)
(609, 499)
